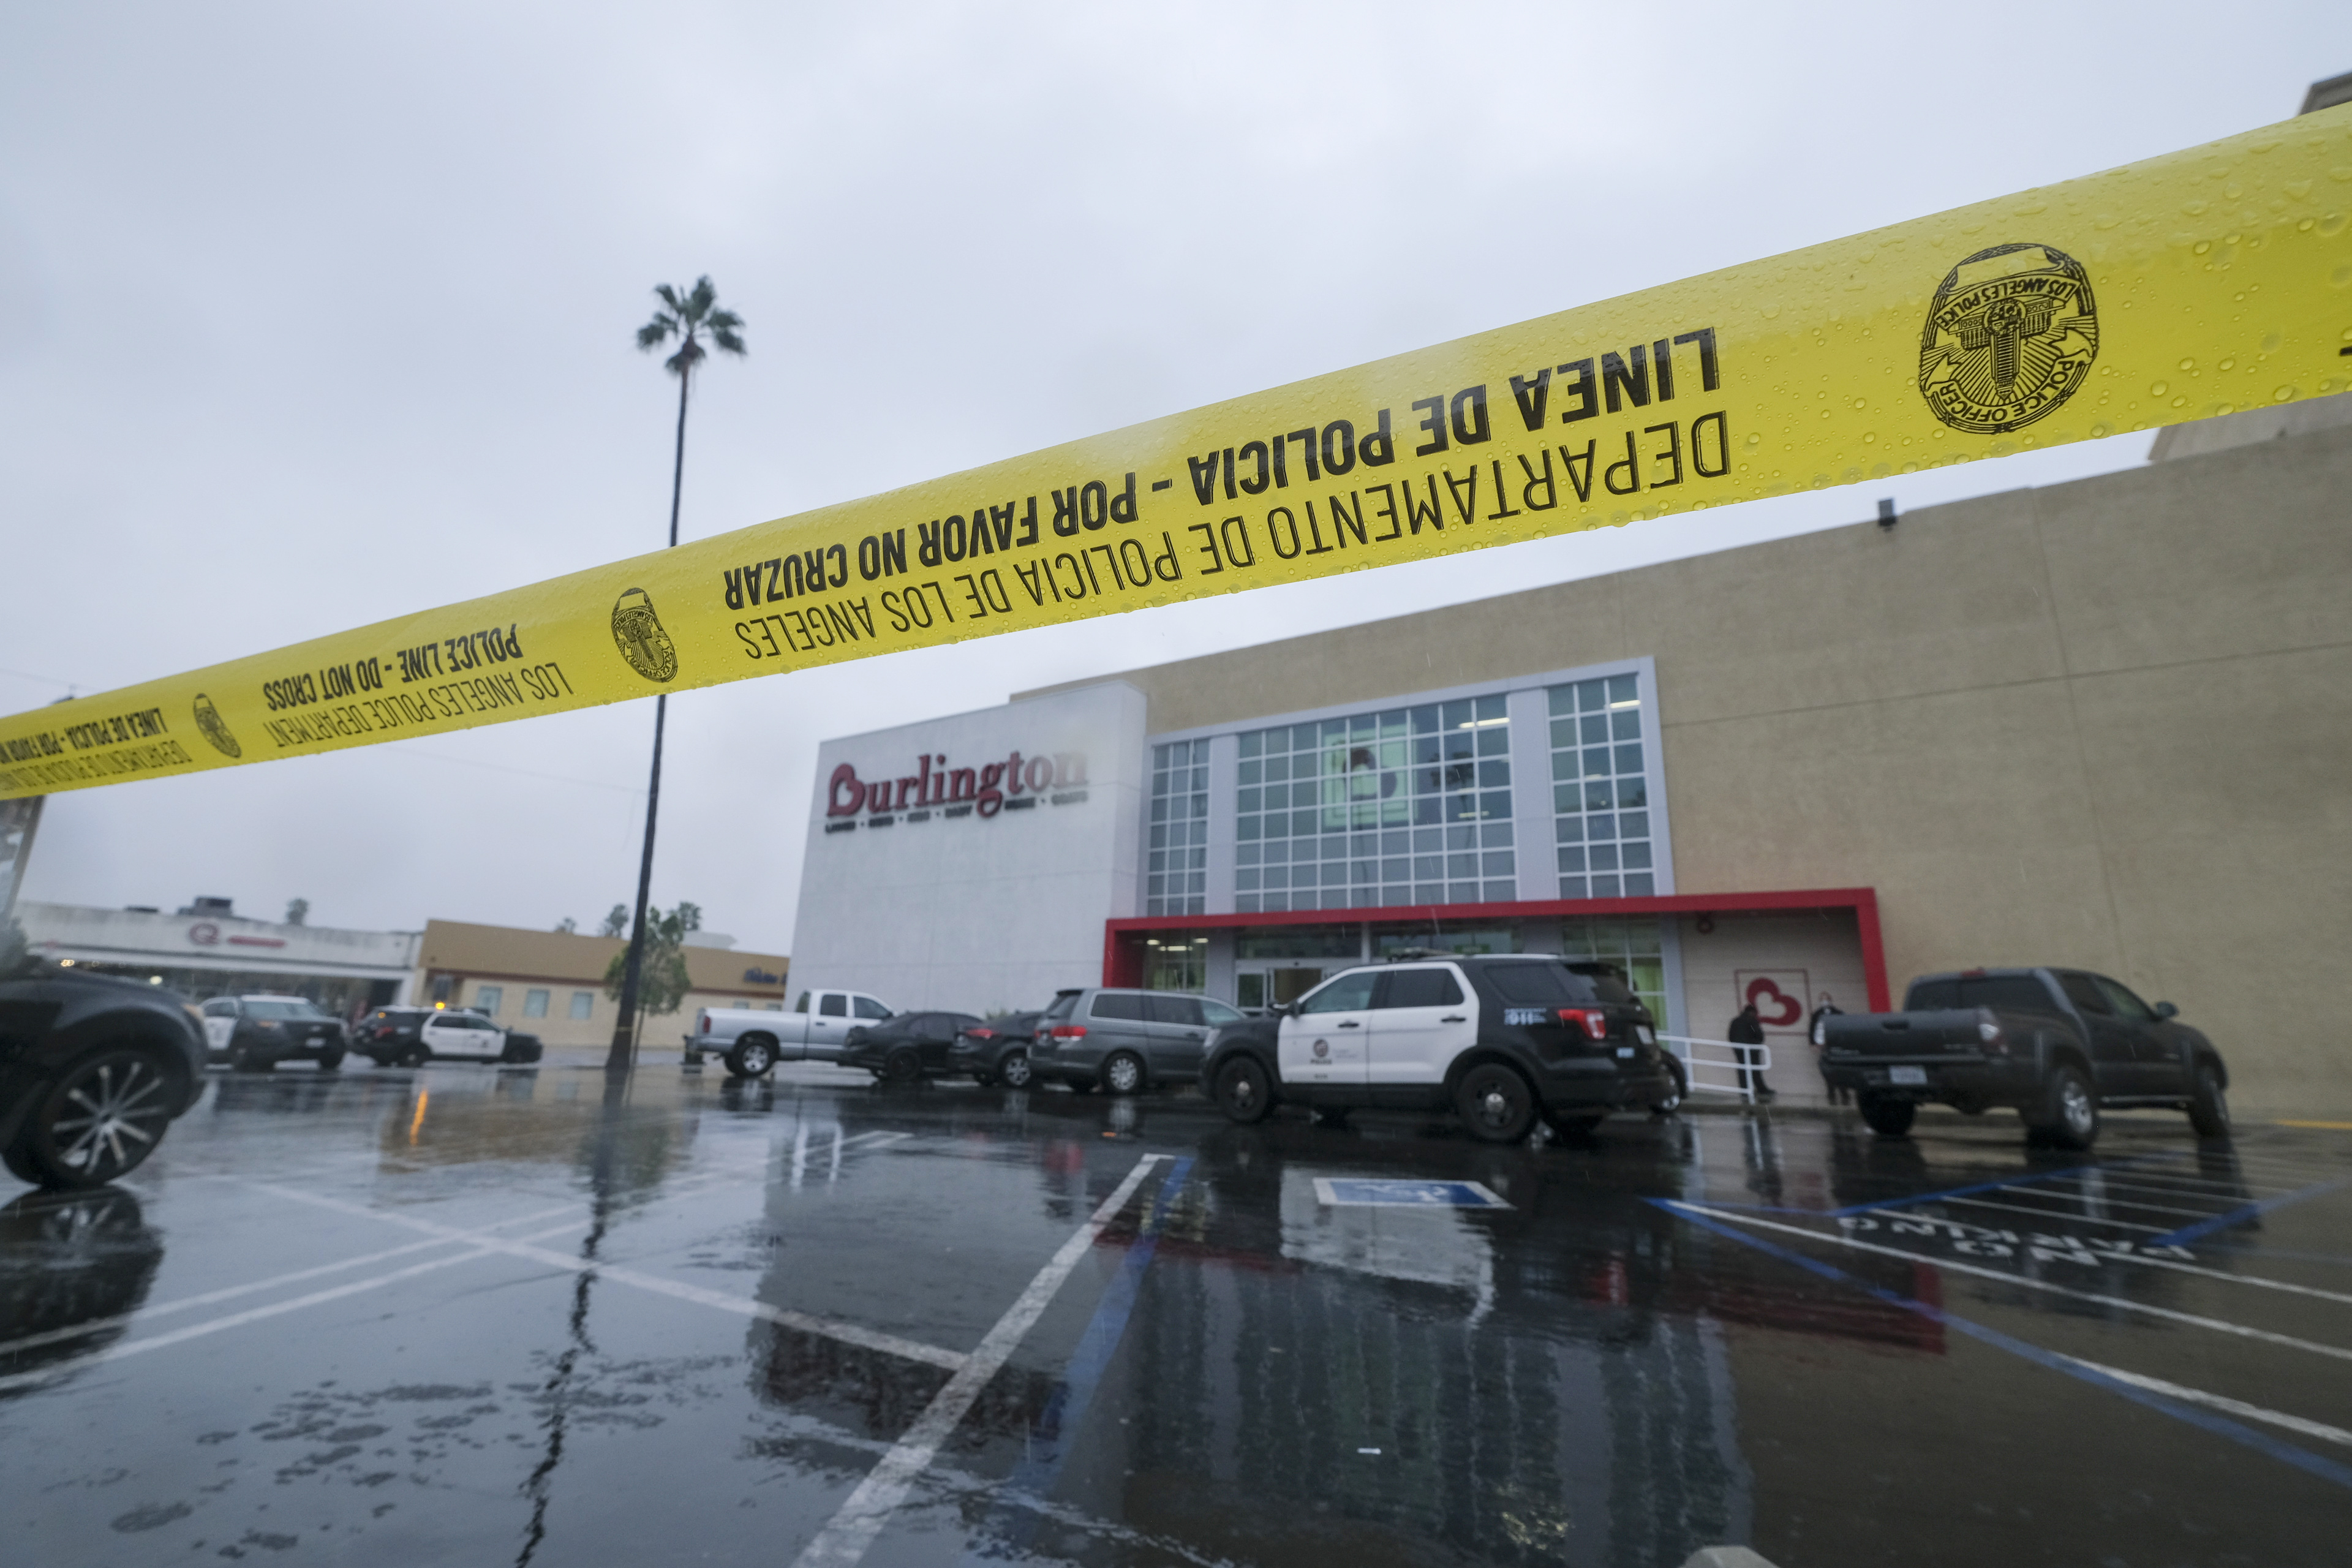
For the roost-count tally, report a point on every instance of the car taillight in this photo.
(1591, 1020)
(1989, 1034)
(981, 1033)
(1069, 1031)
(702, 1023)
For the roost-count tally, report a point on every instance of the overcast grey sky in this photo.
(316, 315)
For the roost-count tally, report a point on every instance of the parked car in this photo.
(1499, 1040)
(390, 1036)
(253, 1033)
(93, 1069)
(465, 1035)
(996, 1050)
(753, 1040)
(1127, 1041)
(907, 1047)
(2057, 1044)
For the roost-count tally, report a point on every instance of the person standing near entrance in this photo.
(1816, 1026)
(1747, 1033)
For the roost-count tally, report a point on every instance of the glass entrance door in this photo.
(1258, 986)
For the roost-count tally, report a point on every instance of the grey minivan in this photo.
(1127, 1041)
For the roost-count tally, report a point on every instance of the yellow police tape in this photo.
(2185, 286)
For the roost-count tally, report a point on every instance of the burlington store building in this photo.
(2041, 726)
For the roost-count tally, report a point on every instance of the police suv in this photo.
(1500, 1040)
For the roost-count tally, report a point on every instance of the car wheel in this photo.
(102, 1117)
(245, 1058)
(332, 1062)
(1013, 1070)
(20, 1163)
(902, 1066)
(1888, 1116)
(1672, 1101)
(415, 1057)
(752, 1058)
(1496, 1103)
(2208, 1105)
(1242, 1093)
(1123, 1072)
(1334, 1116)
(2069, 1117)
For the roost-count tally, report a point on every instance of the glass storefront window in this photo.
(1410, 806)
(1300, 942)
(1634, 946)
(1390, 940)
(1176, 876)
(1600, 800)
(1176, 963)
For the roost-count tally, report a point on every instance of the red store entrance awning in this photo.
(1123, 940)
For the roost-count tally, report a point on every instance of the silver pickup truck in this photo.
(752, 1040)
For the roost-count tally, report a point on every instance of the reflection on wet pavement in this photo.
(481, 1315)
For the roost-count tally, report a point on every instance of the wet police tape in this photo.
(2181, 287)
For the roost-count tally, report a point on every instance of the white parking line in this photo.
(449, 1237)
(848, 1333)
(2231, 1193)
(2052, 1213)
(230, 1293)
(1734, 1216)
(2261, 1281)
(238, 1320)
(2119, 1203)
(2239, 1408)
(846, 1538)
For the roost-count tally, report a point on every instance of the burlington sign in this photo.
(1017, 784)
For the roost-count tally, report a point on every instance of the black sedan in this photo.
(93, 1071)
(997, 1050)
(909, 1047)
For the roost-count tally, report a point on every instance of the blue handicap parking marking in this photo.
(1349, 1192)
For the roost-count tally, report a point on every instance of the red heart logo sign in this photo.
(1775, 1008)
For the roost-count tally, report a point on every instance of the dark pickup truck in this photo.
(2057, 1044)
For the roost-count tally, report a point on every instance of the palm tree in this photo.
(689, 317)
(686, 317)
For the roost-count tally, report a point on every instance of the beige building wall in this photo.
(2106, 723)
(561, 964)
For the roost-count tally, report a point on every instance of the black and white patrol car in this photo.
(1500, 1040)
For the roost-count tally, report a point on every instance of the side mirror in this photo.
(2166, 1010)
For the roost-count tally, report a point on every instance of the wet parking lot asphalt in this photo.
(472, 1315)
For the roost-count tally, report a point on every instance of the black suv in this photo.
(1500, 1040)
(93, 1071)
(392, 1037)
(253, 1033)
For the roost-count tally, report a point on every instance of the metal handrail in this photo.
(1745, 1064)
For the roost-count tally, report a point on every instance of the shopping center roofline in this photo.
(1123, 939)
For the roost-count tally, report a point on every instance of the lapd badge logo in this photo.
(638, 633)
(2011, 336)
(215, 728)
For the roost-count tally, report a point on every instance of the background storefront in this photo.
(206, 948)
(552, 983)
(2090, 725)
